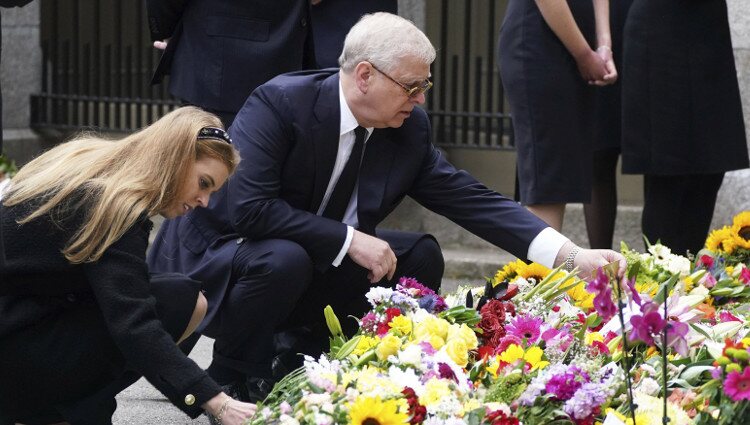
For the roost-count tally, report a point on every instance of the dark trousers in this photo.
(677, 210)
(275, 288)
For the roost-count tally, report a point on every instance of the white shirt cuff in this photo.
(545, 246)
(347, 242)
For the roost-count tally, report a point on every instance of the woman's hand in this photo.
(229, 411)
(605, 52)
(591, 66)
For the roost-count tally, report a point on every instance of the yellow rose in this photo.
(465, 333)
(401, 324)
(434, 391)
(432, 326)
(458, 351)
(389, 345)
(436, 342)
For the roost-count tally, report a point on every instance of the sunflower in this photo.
(741, 229)
(536, 271)
(374, 411)
(508, 272)
(721, 240)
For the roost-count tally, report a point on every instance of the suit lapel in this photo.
(325, 137)
(373, 177)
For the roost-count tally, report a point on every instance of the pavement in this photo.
(142, 404)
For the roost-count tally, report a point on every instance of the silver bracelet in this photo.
(570, 258)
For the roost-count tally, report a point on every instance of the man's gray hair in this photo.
(384, 39)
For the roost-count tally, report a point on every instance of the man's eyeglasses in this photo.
(411, 91)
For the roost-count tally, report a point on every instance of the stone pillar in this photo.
(20, 76)
(413, 10)
(734, 195)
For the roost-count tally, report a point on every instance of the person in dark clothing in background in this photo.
(80, 317)
(332, 20)
(683, 126)
(216, 52)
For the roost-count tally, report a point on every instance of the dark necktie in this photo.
(342, 193)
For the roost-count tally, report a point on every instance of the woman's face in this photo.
(205, 177)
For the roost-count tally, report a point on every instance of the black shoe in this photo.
(258, 388)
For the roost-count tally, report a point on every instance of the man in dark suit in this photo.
(332, 20)
(295, 229)
(217, 52)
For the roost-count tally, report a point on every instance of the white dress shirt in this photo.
(543, 249)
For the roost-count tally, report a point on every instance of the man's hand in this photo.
(373, 254)
(589, 260)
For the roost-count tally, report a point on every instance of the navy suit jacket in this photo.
(287, 133)
(221, 50)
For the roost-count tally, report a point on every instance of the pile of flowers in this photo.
(541, 346)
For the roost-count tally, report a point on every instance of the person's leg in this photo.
(268, 279)
(662, 195)
(201, 306)
(551, 214)
(697, 210)
(601, 212)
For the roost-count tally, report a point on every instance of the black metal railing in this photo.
(98, 61)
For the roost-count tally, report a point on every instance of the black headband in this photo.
(214, 133)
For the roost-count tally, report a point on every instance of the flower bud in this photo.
(733, 367)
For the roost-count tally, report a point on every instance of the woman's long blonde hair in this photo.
(118, 180)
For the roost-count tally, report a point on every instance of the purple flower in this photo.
(603, 304)
(525, 327)
(676, 333)
(426, 297)
(648, 324)
(587, 400)
(427, 348)
(369, 322)
(563, 387)
(630, 283)
(446, 372)
(602, 295)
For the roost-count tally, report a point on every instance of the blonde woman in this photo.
(80, 316)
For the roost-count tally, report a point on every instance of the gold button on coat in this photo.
(189, 399)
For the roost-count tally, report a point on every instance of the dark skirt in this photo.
(552, 106)
(682, 112)
(67, 367)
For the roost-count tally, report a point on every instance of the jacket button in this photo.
(303, 22)
(189, 399)
(71, 298)
(240, 240)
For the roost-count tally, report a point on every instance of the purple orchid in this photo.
(647, 324)
(602, 291)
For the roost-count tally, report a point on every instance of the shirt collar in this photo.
(348, 123)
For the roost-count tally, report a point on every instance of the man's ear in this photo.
(363, 76)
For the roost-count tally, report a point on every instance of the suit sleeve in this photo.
(120, 284)
(163, 16)
(457, 195)
(264, 132)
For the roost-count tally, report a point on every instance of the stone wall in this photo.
(20, 68)
(735, 192)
